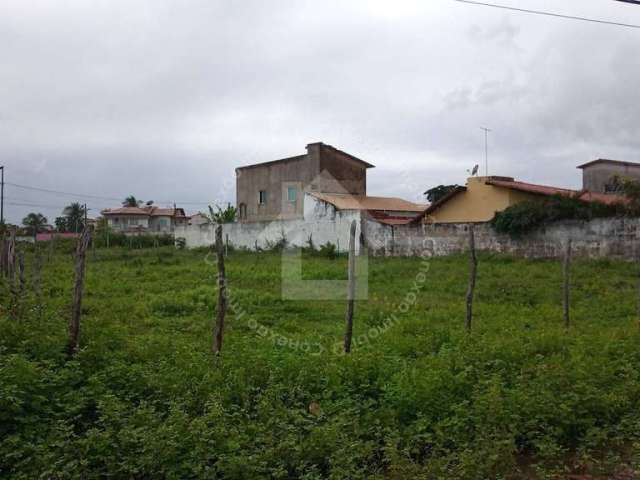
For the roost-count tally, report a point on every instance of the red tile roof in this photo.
(382, 217)
(151, 211)
(583, 195)
(531, 187)
(126, 211)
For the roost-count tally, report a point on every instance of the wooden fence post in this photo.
(52, 245)
(3, 255)
(226, 245)
(36, 275)
(351, 289)
(20, 280)
(74, 323)
(473, 263)
(566, 287)
(11, 258)
(222, 295)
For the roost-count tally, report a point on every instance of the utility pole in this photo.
(486, 150)
(2, 196)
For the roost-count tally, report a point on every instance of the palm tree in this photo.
(74, 214)
(228, 215)
(34, 222)
(131, 201)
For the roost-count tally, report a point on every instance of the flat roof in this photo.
(606, 160)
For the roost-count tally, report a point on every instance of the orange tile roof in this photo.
(125, 211)
(363, 202)
(152, 211)
(531, 187)
(586, 196)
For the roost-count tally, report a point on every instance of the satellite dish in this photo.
(474, 172)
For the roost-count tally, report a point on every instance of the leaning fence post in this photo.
(351, 289)
(473, 263)
(74, 322)
(222, 295)
(566, 287)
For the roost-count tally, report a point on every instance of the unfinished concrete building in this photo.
(275, 190)
(602, 175)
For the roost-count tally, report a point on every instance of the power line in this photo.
(96, 197)
(58, 192)
(549, 14)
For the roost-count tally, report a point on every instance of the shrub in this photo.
(525, 217)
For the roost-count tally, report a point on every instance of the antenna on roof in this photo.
(486, 150)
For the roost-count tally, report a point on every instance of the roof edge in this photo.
(608, 160)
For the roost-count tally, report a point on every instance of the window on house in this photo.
(291, 194)
(262, 198)
(242, 211)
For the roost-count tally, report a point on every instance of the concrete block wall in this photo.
(612, 237)
(600, 238)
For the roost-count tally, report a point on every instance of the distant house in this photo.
(388, 210)
(482, 197)
(600, 175)
(198, 219)
(149, 219)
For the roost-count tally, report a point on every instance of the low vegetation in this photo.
(419, 397)
(524, 217)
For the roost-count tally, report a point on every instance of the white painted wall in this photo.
(321, 221)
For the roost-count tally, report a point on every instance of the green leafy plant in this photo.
(527, 216)
(220, 215)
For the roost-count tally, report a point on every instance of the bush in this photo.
(525, 217)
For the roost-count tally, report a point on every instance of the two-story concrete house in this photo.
(149, 219)
(277, 190)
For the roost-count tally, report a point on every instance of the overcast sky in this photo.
(163, 99)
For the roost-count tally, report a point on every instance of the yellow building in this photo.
(482, 197)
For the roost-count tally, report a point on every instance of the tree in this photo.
(228, 215)
(131, 201)
(436, 193)
(61, 224)
(35, 223)
(631, 189)
(74, 217)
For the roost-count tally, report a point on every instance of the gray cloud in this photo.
(162, 99)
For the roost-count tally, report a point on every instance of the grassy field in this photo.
(418, 398)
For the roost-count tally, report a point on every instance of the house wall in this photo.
(322, 169)
(161, 224)
(478, 204)
(321, 222)
(595, 177)
(127, 222)
(341, 174)
(274, 179)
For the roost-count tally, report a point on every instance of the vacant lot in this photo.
(418, 398)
